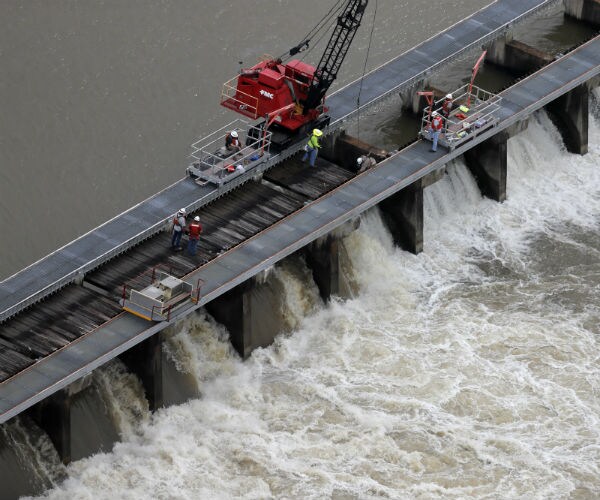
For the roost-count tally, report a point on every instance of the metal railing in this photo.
(474, 110)
(197, 296)
(76, 273)
(237, 100)
(213, 162)
(157, 307)
(438, 65)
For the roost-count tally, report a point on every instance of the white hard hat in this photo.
(181, 211)
(197, 219)
(435, 113)
(448, 96)
(234, 133)
(359, 160)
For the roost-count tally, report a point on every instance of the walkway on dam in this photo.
(70, 262)
(291, 233)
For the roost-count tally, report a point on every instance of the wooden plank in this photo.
(227, 222)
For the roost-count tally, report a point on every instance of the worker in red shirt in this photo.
(194, 230)
(447, 105)
(437, 124)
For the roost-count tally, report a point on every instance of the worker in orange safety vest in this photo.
(194, 230)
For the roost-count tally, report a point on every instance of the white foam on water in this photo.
(123, 395)
(201, 347)
(32, 448)
(301, 295)
(462, 372)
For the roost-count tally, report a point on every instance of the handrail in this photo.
(74, 274)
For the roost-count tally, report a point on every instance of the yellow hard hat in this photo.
(317, 132)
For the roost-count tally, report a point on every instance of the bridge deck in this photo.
(149, 217)
(291, 233)
(239, 215)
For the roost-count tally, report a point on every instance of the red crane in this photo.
(292, 95)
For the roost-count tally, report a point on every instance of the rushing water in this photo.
(470, 370)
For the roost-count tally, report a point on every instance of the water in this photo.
(468, 371)
(30, 462)
(101, 102)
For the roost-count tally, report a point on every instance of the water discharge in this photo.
(468, 371)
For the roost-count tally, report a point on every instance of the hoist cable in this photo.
(325, 21)
(364, 71)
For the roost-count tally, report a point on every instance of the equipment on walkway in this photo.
(156, 294)
(291, 95)
(212, 162)
(475, 111)
(464, 122)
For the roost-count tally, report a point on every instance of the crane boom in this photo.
(335, 52)
(268, 89)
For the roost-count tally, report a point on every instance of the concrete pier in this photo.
(145, 360)
(570, 114)
(323, 258)
(403, 214)
(53, 415)
(517, 57)
(488, 164)
(343, 149)
(251, 314)
(584, 10)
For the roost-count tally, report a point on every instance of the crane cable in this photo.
(363, 73)
(325, 21)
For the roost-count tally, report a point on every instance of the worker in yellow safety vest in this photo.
(312, 147)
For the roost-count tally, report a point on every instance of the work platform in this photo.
(309, 222)
(71, 262)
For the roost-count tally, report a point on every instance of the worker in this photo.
(194, 235)
(447, 106)
(178, 229)
(436, 128)
(232, 142)
(364, 162)
(312, 147)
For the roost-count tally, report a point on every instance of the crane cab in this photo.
(270, 86)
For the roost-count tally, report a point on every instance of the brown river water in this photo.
(468, 371)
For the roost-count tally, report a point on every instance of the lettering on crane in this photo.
(268, 95)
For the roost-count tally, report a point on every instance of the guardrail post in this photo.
(145, 360)
(403, 214)
(570, 114)
(488, 163)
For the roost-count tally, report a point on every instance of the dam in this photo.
(299, 219)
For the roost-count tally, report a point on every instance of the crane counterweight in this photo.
(271, 85)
